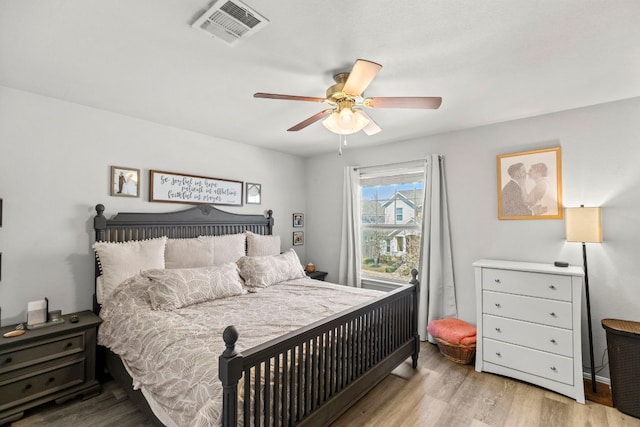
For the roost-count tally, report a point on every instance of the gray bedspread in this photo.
(173, 355)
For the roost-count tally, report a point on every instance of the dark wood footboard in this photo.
(312, 375)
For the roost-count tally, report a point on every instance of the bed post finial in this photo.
(230, 372)
(230, 336)
(270, 218)
(99, 222)
(414, 277)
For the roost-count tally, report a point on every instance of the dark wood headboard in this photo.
(200, 220)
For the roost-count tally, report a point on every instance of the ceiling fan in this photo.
(346, 116)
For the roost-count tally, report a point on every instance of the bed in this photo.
(340, 343)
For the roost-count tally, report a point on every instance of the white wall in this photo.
(55, 160)
(600, 155)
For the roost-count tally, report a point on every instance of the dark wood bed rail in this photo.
(310, 376)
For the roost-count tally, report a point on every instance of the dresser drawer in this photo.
(545, 365)
(39, 352)
(41, 384)
(541, 285)
(538, 310)
(532, 335)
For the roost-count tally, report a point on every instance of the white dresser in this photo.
(529, 323)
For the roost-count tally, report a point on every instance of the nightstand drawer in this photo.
(545, 365)
(525, 283)
(42, 384)
(538, 310)
(39, 352)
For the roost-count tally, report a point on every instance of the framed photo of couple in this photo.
(530, 185)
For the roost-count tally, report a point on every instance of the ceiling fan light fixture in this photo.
(336, 124)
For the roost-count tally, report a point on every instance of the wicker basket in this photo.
(458, 353)
(623, 344)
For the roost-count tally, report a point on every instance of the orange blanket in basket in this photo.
(453, 331)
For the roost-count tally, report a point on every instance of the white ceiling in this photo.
(490, 61)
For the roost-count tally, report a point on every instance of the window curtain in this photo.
(437, 297)
(349, 268)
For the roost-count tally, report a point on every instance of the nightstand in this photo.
(318, 275)
(51, 363)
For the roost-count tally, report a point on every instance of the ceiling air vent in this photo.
(230, 21)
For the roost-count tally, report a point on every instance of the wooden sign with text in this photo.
(180, 188)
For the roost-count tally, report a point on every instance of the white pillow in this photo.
(182, 287)
(259, 245)
(227, 248)
(188, 253)
(119, 261)
(264, 271)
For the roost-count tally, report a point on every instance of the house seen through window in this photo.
(391, 212)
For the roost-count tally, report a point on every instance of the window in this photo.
(391, 212)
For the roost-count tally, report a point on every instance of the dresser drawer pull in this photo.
(498, 305)
(552, 314)
(498, 330)
(553, 341)
(497, 280)
(498, 354)
(69, 345)
(8, 360)
(553, 368)
(27, 387)
(552, 287)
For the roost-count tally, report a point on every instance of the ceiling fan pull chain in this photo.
(339, 145)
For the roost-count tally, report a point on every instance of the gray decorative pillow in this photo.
(177, 288)
(259, 245)
(264, 271)
(188, 253)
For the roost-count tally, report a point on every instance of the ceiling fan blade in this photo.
(287, 97)
(303, 124)
(372, 127)
(426, 102)
(361, 75)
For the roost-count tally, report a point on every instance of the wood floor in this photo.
(438, 393)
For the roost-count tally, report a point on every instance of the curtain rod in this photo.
(406, 162)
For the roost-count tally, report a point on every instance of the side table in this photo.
(318, 275)
(52, 363)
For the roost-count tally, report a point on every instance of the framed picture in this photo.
(254, 193)
(298, 220)
(125, 182)
(182, 188)
(530, 185)
(298, 238)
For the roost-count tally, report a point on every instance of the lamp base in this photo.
(603, 396)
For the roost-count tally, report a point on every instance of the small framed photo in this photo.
(298, 238)
(254, 193)
(298, 220)
(125, 182)
(530, 185)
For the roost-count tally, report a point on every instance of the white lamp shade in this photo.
(336, 124)
(584, 224)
